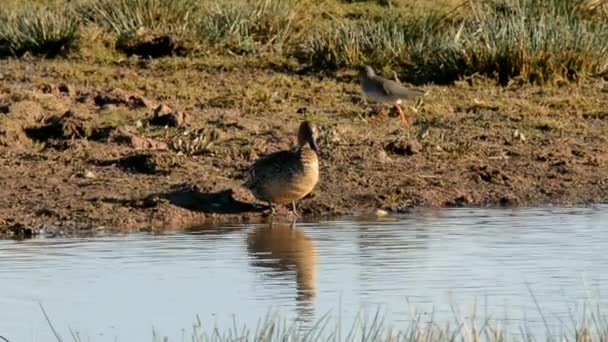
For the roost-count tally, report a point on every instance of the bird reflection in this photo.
(285, 249)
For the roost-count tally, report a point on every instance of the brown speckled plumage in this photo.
(287, 176)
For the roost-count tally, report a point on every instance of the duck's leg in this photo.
(293, 223)
(402, 114)
(293, 207)
(272, 211)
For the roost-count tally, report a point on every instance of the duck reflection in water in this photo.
(286, 249)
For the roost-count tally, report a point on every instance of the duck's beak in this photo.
(313, 145)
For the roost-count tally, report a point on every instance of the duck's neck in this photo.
(305, 149)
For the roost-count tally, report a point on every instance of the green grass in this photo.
(41, 31)
(373, 327)
(249, 26)
(537, 41)
(532, 40)
(132, 21)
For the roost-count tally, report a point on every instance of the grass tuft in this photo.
(375, 328)
(378, 42)
(538, 41)
(152, 23)
(249, 26)
(39, 31)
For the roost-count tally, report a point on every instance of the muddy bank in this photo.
(89, 146)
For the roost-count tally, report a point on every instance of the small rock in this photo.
(404, 147)
(161, 110)
(164, 116)
(383, 157)
(518, 135)
(89, 174)
(5, 108)
(381, 213)
(66, 89)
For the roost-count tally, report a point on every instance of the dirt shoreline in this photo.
(82, 150)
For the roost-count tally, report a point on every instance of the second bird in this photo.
(287, 176)
(385, 91)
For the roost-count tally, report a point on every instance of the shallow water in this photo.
(440, 264)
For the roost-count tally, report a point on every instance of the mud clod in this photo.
(119, 97)
(403, 147)
(145, 163)
(139, 163)
(123, 137)
(165, 116)
(488, 174)
(70, 125)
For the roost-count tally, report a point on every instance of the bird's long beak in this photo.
(313, 145)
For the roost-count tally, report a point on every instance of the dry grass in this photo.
(374, 328)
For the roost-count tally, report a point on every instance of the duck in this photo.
(384, 91)
(289, 175)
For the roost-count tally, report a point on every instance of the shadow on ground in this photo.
(190, 197)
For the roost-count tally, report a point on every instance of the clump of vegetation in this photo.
(249, 26)
(533, 39)
(536, 40)
(374, 327)
(39, 31)
(155, 26)
(193, 142)
(381, 42)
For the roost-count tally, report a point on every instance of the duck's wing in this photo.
(276, 164)
(393, 88)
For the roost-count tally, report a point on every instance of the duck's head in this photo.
(308, 134)
(366, 72)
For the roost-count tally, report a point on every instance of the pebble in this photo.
(90, 175)
(381, 213)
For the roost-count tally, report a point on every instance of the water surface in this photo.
(439, 264)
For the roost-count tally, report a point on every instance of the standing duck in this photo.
(385, 91)
(287, 176)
